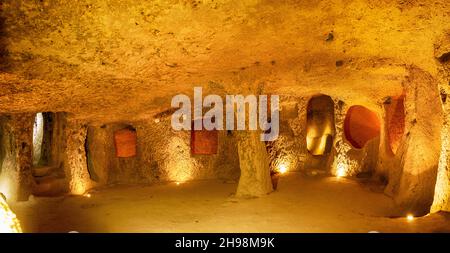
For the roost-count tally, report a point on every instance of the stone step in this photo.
(49, 186)
(43, 171)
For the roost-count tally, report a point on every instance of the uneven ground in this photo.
(301, 204)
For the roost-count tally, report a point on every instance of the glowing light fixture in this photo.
(410, 217)
(78, 188)
(344, 166)
(87, 195)
(283, 166)
(341, 170)
(179, 166)
(8, 220)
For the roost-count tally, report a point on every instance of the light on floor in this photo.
(282, 168)
(341, 170)
(410, 217)
(180, 165)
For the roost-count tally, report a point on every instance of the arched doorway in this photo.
(361, 125)
(42, 138)
(320, 131)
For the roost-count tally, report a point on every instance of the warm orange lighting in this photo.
(87, 195)
(319, 124)
(8, 220)
(5, 187)
(341, 170)
(343, 166)
(442, 187)
(410, 217)
(283, 169)
(180, 166)
(361, 125)
(178, 183)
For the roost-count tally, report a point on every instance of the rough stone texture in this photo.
(93, 57)
(255, 177)
(16, 157)
(289, 149)
(395, 121)
(421, 156)
(125, 142)
(442, 190)
(342, 163)
(441, 199)
(58, 142)
(100, 150)
(389, 164)
(75, 164)
(116, 62)
(162, 155)
(204, 142)
(411, 172)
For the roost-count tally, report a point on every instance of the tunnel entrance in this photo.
(320, 131)
(125, 142)
(89, 161)
(38, 135)
(48, 171)
(42, 138)
(361, 125)
(203, 142)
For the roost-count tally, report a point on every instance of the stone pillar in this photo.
(24, 145)
(75, 164)
(343, 163)
(441, 201)
(423, 143)
(100, 144)
(16, 153)
(300, 133)
(255, 177)
(388, 164)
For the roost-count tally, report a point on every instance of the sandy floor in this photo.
(300, 204)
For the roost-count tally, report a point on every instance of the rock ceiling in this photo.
(113, 60)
